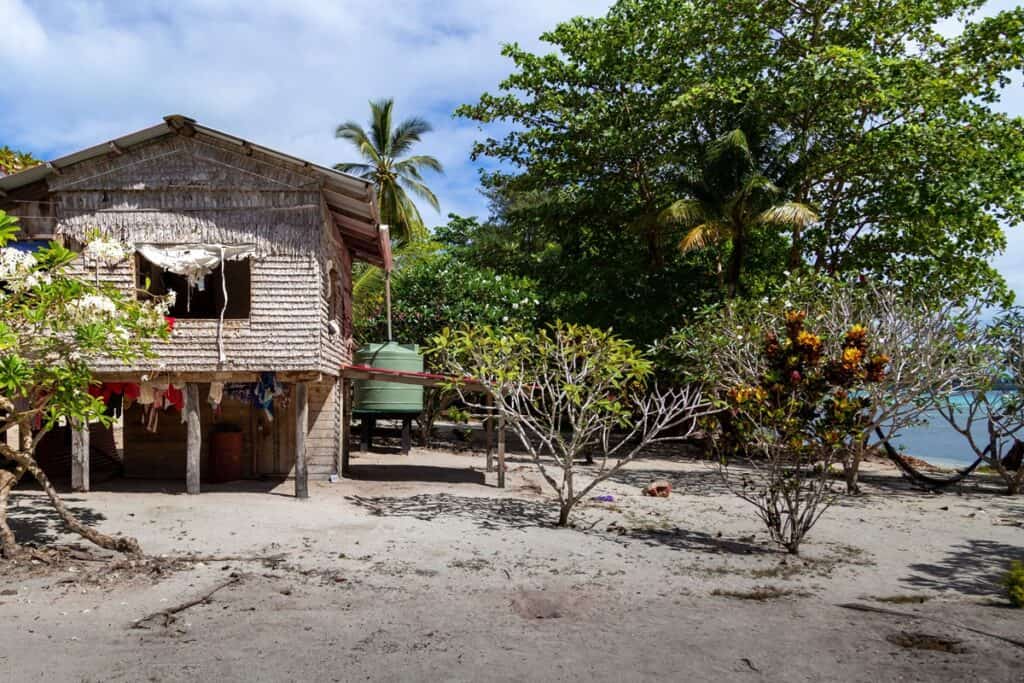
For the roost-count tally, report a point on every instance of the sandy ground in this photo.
(422, 570)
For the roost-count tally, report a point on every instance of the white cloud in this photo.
(283, 73)
(28, 40)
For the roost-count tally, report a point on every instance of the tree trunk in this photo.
(795, 250)
(567, 500)
(739, 249)
(851, 469)
(8, 480)
(123, 544)
(563, 513)
(850, 472)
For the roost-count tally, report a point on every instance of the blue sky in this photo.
(282, 73)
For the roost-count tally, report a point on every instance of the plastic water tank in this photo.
(374, 396)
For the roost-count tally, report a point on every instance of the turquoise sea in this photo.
(938, 443)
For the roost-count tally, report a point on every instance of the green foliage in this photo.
(8, 227)
(53, 327)
(1013, 581)
(12, 161)
(866, 113)
(573, 364)
(436, 291)
(728, 200)
(396, 173)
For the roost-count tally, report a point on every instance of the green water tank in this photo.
(375, 396)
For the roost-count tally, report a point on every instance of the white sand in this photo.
(453, 579)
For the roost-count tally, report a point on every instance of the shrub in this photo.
(436, 291)
(807, 404)
(1014, 583)
(567, 390)
(929, 341)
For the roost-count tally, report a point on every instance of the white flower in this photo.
(37, 278)
(15, 264)
(515, 306)
(106, 251)
(92, 307)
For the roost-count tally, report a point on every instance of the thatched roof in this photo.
(349, 201)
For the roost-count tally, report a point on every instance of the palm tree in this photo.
(729, 197)
(395, 177)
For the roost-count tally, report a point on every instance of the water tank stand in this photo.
(368, 423)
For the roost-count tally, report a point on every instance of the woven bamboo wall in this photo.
(179, 190)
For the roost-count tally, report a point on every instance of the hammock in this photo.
(927, 481)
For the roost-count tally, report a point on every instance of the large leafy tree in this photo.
(887, 127)
(385, 149)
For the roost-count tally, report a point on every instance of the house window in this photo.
(205, 299)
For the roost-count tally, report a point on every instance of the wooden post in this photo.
(346, 427)
(489, 432)
(195, 437)
(340, 412)
(301, 427)
(406, 434)
(501, 451)
(80, 456)
(366, 426)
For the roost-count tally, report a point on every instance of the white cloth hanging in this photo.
(193, 261)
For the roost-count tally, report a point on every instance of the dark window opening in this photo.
(29, 246)
(205, 300)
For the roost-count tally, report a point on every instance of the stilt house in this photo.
(258, 247)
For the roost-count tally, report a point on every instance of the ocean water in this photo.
(938, 443)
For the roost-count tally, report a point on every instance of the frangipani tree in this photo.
(995, 401)
(568, 390)
(53, 327)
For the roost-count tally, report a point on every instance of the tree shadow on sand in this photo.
(974, 567)
(500, 514)
(703, 482)
(34, 521)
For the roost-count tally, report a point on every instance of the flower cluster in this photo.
(16, 265)
(92, 307)
(105, 251)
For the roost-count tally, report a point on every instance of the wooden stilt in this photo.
(406, 435)
(195, 437)
(346, 426)
(501, 451)
(301, 427)
(366, 426)
(80, 456)
(489, 432)
(339, 395)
